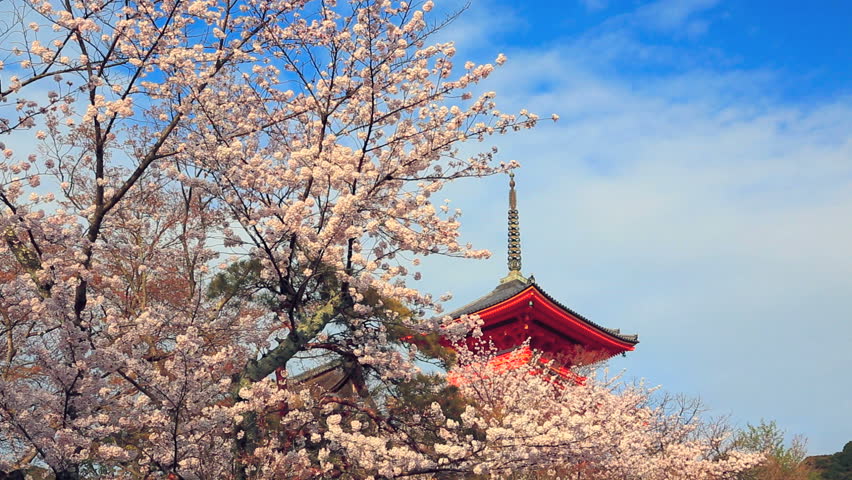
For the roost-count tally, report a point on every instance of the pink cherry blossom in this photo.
(299, 146)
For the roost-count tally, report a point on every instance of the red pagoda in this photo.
(519, 309)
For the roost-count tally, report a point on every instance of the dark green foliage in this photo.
(407, 402)
(417, 395)
(837, 466)
(428, 346)
(238, 280)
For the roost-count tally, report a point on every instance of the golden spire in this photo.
(514, 250)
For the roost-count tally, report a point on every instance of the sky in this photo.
(697, 190)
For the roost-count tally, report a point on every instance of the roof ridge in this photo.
(502, 293)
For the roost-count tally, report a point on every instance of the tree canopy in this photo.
(196, 192)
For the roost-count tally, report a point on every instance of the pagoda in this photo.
(515, 312)
(519, 310)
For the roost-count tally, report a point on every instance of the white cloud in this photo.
(671, 15)
(695, 209)
(594, 5)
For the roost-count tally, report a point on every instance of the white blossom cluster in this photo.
(210, 188)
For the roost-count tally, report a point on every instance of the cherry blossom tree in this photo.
(148, 141)
(194, 192)
(532, 422)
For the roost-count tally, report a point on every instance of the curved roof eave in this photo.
(508, 290)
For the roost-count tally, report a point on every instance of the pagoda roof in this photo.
(509, 289)
(331, 377)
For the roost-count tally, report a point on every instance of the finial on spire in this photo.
(513, 199)
(514, 247)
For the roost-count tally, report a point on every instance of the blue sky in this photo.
(697, 190)
(809, 42)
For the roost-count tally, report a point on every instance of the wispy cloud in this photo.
(694, 207)
(594, 5)
(672, 15)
